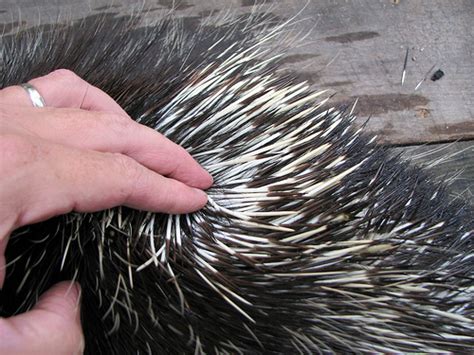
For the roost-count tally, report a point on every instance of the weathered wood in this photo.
(366, 41)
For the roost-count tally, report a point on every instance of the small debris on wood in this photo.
(437, 75)
(424, 78)
(422, 111)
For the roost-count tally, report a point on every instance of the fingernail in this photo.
(201, 193)
(210, 180)
(73, 289)
(76, 292)
(82, 347)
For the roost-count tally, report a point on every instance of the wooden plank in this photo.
(365, 43)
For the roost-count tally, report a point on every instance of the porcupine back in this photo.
(313, 240)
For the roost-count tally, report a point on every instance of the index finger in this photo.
(106, 132)
(63, 89)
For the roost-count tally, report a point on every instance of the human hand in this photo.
(81, 153)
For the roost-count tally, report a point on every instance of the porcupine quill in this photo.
(314, 240)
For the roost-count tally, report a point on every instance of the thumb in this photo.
(53, 326)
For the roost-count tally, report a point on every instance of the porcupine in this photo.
(314, 238)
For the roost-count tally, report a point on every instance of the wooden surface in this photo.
(357, 49)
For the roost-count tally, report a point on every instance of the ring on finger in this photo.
(35, 97)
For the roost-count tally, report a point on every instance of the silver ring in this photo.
(35, 97)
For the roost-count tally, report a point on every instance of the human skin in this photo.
(82, 153)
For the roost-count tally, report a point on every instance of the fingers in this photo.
(53, 326)
(47, 179)
(62, 88)
(104, 129)
(105, 132)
